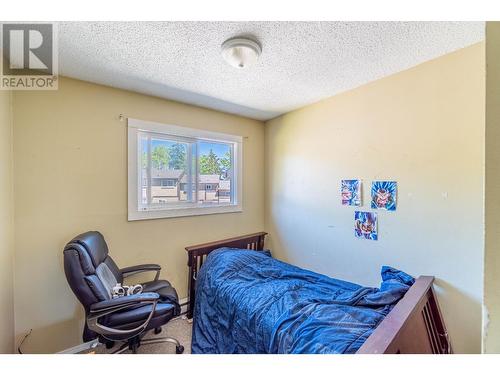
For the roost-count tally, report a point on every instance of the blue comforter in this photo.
(249, 302)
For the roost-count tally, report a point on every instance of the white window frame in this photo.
(135, 127)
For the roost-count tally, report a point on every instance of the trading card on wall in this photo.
(365, 225)
(384, 195)
(351, 192)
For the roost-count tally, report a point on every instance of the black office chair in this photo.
(92, 274)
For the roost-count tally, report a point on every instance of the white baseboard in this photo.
(80, 348)
(184, 305)
(91, 344)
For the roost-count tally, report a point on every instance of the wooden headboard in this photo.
(198, 253)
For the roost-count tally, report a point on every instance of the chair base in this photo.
(135, 342)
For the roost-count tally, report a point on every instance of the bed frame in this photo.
(414, 326)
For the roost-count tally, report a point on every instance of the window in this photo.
(166, 182)
(177, 171)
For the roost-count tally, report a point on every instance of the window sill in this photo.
(182, 212)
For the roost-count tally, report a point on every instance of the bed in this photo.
(245, 301)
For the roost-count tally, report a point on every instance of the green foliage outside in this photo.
(225, 163)
(174, 157)
(177, 155)
(209, 164)
(163, 157)
(160, 157)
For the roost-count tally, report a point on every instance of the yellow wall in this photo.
(492, 191)
(424, 128)
(70, 154)
(6, 225)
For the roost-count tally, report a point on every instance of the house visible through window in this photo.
(176, 171)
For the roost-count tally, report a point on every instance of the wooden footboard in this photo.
(414, 326)
(198, 253)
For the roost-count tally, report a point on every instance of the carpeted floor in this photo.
(179, 328)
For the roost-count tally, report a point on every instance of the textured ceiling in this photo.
(301, 62)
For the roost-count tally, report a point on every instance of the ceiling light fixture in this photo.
(241, 52)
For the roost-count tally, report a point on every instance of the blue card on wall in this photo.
(365, 225)
(351, 192)
(384, 195)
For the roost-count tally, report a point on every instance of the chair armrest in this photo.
(122, 302)
(128, 271)
(102, 309)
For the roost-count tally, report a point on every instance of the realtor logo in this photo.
(29, 60)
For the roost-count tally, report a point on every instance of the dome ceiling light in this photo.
(241, 52)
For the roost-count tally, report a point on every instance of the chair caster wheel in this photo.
(157, 330)
(179, 349)
(110, 344)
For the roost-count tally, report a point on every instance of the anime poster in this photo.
(384, 195)
(365, 225)
(351, 192)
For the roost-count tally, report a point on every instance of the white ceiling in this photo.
(301, 62)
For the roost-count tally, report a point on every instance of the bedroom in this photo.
(162, 136)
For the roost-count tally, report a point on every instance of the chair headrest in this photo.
(92, 248)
